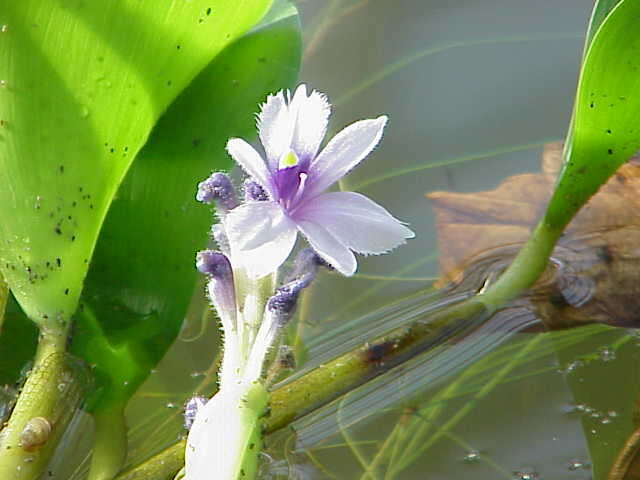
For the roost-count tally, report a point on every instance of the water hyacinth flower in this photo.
(295, 178)
(285, 194)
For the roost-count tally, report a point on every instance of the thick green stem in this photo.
(525, 269)
(49, 397)
(4, 296)
(110, 444)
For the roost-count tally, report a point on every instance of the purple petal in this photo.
(275, 127)
(346, 150)
(356, 221)
(250, 161)
(312, 115)
(329, 247)
(261, 236)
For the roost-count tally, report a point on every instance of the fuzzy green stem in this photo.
(49, 397)
(110, 444)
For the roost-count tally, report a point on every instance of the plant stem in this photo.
(525, 269)
(49, 398)
(110, 444)
(4, 296)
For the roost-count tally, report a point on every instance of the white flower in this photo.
(295, 177)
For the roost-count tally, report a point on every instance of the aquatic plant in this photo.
(111, 113)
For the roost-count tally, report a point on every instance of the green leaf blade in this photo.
(83, 84)
(603, 133)
(143, 276)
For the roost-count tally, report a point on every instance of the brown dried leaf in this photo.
(596, 261)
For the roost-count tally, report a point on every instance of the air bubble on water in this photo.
(3, 83)
(612, 413)
(170, 405)
(572, 367)
(473, 456)
(578, 465)
(607, 354)
(84, 112)
(528, 474)
(4, 28)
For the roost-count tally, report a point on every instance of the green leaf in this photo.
(143, 276)
(83, 83)
(600, 11)
(603, 133)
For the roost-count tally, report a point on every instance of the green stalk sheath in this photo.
(110, 444)
(49, 397)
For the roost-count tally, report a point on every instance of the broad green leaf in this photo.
(600, 11)
(603, 133)
(143, 276)
(81, 86)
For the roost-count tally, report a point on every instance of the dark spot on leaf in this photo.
(61, 168)
(610, 151)
(58, 230)
(59, 261)
(208, 11)
(591, 105)
(66, 291)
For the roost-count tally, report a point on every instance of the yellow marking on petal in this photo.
(289, 159)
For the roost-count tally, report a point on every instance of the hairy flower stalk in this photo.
(285, 195)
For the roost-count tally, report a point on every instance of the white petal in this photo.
(312, 115)
(275, 127)
(346, 150)
(261, 236)
(251, 162)
(329, 247)
(356, 221)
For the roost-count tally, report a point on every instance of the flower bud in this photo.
(218, 188)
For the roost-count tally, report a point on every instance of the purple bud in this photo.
(220, 287)
(307, 262)
(283, 303)
(253, 191)
(217, 188)
(191, 409)
(213, 263)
